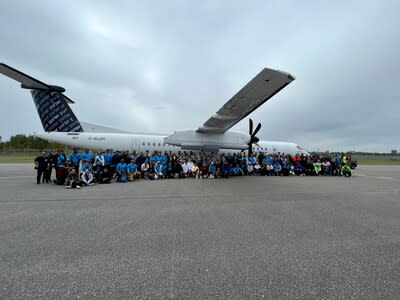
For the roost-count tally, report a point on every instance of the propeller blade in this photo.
(250, 126)
(257, 129)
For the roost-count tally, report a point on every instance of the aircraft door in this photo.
(135, 146)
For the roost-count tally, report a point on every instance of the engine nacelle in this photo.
(192, 140)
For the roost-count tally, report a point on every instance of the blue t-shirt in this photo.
(121, 167)
(107, 158)
(86, 156)
(85, 167)
(212, 168)
(277, 167)
(60, 160)
(132, 167)
(75, 157)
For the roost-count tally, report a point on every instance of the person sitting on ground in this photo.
(317, 167)
(270, 169)
(169, 170)
(158, 169)
(287, 165)
(179, 170)
(132, 171)
(212, 170)
(326, 167)
(151, 173)
(87, 178)
(237, 171)
(121, 171)
(72, 180)
(298, 169)
(104, 176)
(85, 166)
(144, 168)
(187, 167)
(226, 169)
(277, 168)
(250, 170)
(346, 171)
(195, 171)
(204, 170)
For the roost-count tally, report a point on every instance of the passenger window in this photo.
(159, 144)
(144, 144)
(148, 144)
(154, 144)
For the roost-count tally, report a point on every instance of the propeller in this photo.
(253, 138)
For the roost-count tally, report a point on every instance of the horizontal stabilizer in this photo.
(28, 82)
(88, 127)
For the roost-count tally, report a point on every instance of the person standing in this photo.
(42, 163)
(75, 159)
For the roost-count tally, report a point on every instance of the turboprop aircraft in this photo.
(62, 126)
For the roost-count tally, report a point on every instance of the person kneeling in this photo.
(132, 171)
(87, 178)
(346, 171)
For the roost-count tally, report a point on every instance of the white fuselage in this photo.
(232, 142)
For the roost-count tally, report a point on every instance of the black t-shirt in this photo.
(42, 162)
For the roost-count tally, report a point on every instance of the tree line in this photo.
(21, 141)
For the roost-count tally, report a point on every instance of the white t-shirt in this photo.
(186, 167)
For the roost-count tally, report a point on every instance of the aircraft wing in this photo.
(261, 88)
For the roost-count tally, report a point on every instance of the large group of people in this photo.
(84, 168)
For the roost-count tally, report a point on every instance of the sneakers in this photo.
(70, 187)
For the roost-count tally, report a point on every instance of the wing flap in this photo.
(261, 88)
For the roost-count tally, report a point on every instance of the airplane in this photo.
(62, 126)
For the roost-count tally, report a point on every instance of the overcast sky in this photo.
(160, 66)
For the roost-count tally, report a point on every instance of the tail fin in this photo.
(51, 103)
(54, 112)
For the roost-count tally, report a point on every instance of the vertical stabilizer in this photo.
(54, 112)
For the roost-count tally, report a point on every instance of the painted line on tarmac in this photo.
(378, 177)
(16, 177)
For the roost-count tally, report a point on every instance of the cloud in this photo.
(168, 65)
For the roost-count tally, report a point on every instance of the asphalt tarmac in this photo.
(237, 238)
